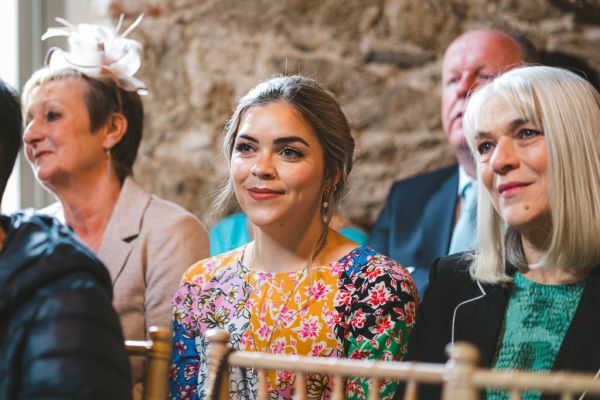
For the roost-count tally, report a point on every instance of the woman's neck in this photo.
(555, 276)
(534, 250)
(88, 205)
(281, 249)
(280, 253)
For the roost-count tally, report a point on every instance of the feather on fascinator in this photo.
(96, 50)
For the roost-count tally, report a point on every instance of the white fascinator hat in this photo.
(97, 50)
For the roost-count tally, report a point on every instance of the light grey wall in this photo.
(34, 18)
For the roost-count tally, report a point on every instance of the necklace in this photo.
(267, 292)
(280, 319)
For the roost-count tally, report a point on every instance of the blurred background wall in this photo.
(381, 58)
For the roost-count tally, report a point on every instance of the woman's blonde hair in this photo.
(566, 108)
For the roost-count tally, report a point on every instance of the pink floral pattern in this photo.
(359, 307)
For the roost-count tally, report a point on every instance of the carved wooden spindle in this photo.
(515, 394)
(339, 387)
(263, 384)
(463, 361)
(218, 349)
(566, 396)
(300, 386)
(411, 391)
(158, 372)
(374, 388)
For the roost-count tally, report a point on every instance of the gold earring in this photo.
(108, 162)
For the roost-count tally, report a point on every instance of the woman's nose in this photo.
(263, 167)
(504, 158)
(31, 133)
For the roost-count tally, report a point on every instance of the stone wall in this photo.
(380, 57)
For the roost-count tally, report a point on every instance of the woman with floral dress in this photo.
(299, 287)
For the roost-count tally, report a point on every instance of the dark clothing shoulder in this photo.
(457, 308)
(449, 285)
(59, 335)
(415, 225)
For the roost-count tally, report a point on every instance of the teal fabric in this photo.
(232, 232)
(536, 322)
(355, 234)
(229, 233)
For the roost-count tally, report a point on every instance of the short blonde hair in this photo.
(102, 98)
(566, 108)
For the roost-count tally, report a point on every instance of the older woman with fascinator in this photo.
(84, 121)
(529, 297)
(299, 287)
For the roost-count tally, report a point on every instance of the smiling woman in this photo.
(84, 124)
(528, 296)
(513, 166)
(299, 287)
(277, 168)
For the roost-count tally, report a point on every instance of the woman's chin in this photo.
(44, 178)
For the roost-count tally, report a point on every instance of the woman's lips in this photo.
(509, 188)
(39, 154)
(263, 193)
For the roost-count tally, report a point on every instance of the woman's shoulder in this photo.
(450, 280)
(367, 265)
(221, 265)
(134, 198)
(454, 267)
(166, 211)
(364, 258)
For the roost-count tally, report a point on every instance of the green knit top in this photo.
(536, 321)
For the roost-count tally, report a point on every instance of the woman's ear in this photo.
(338, 176)
(114, 129)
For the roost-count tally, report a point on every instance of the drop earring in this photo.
(325, 203)
(108, 162)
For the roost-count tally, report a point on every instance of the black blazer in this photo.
(415, 225)
(480, 312)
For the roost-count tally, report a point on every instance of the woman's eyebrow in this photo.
(512, 125)
(290, 139)
(247, 137)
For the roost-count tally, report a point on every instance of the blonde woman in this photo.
(299, 287)
(528, 297)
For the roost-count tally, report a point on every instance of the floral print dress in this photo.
(361, 307)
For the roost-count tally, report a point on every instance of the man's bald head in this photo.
(471, 60)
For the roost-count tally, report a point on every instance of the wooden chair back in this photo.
(157, 351)
(460, 377)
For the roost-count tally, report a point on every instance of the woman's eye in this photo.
(52, 116)
(484, 148)
(243, 148)
(290, 152)
(528, 133)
